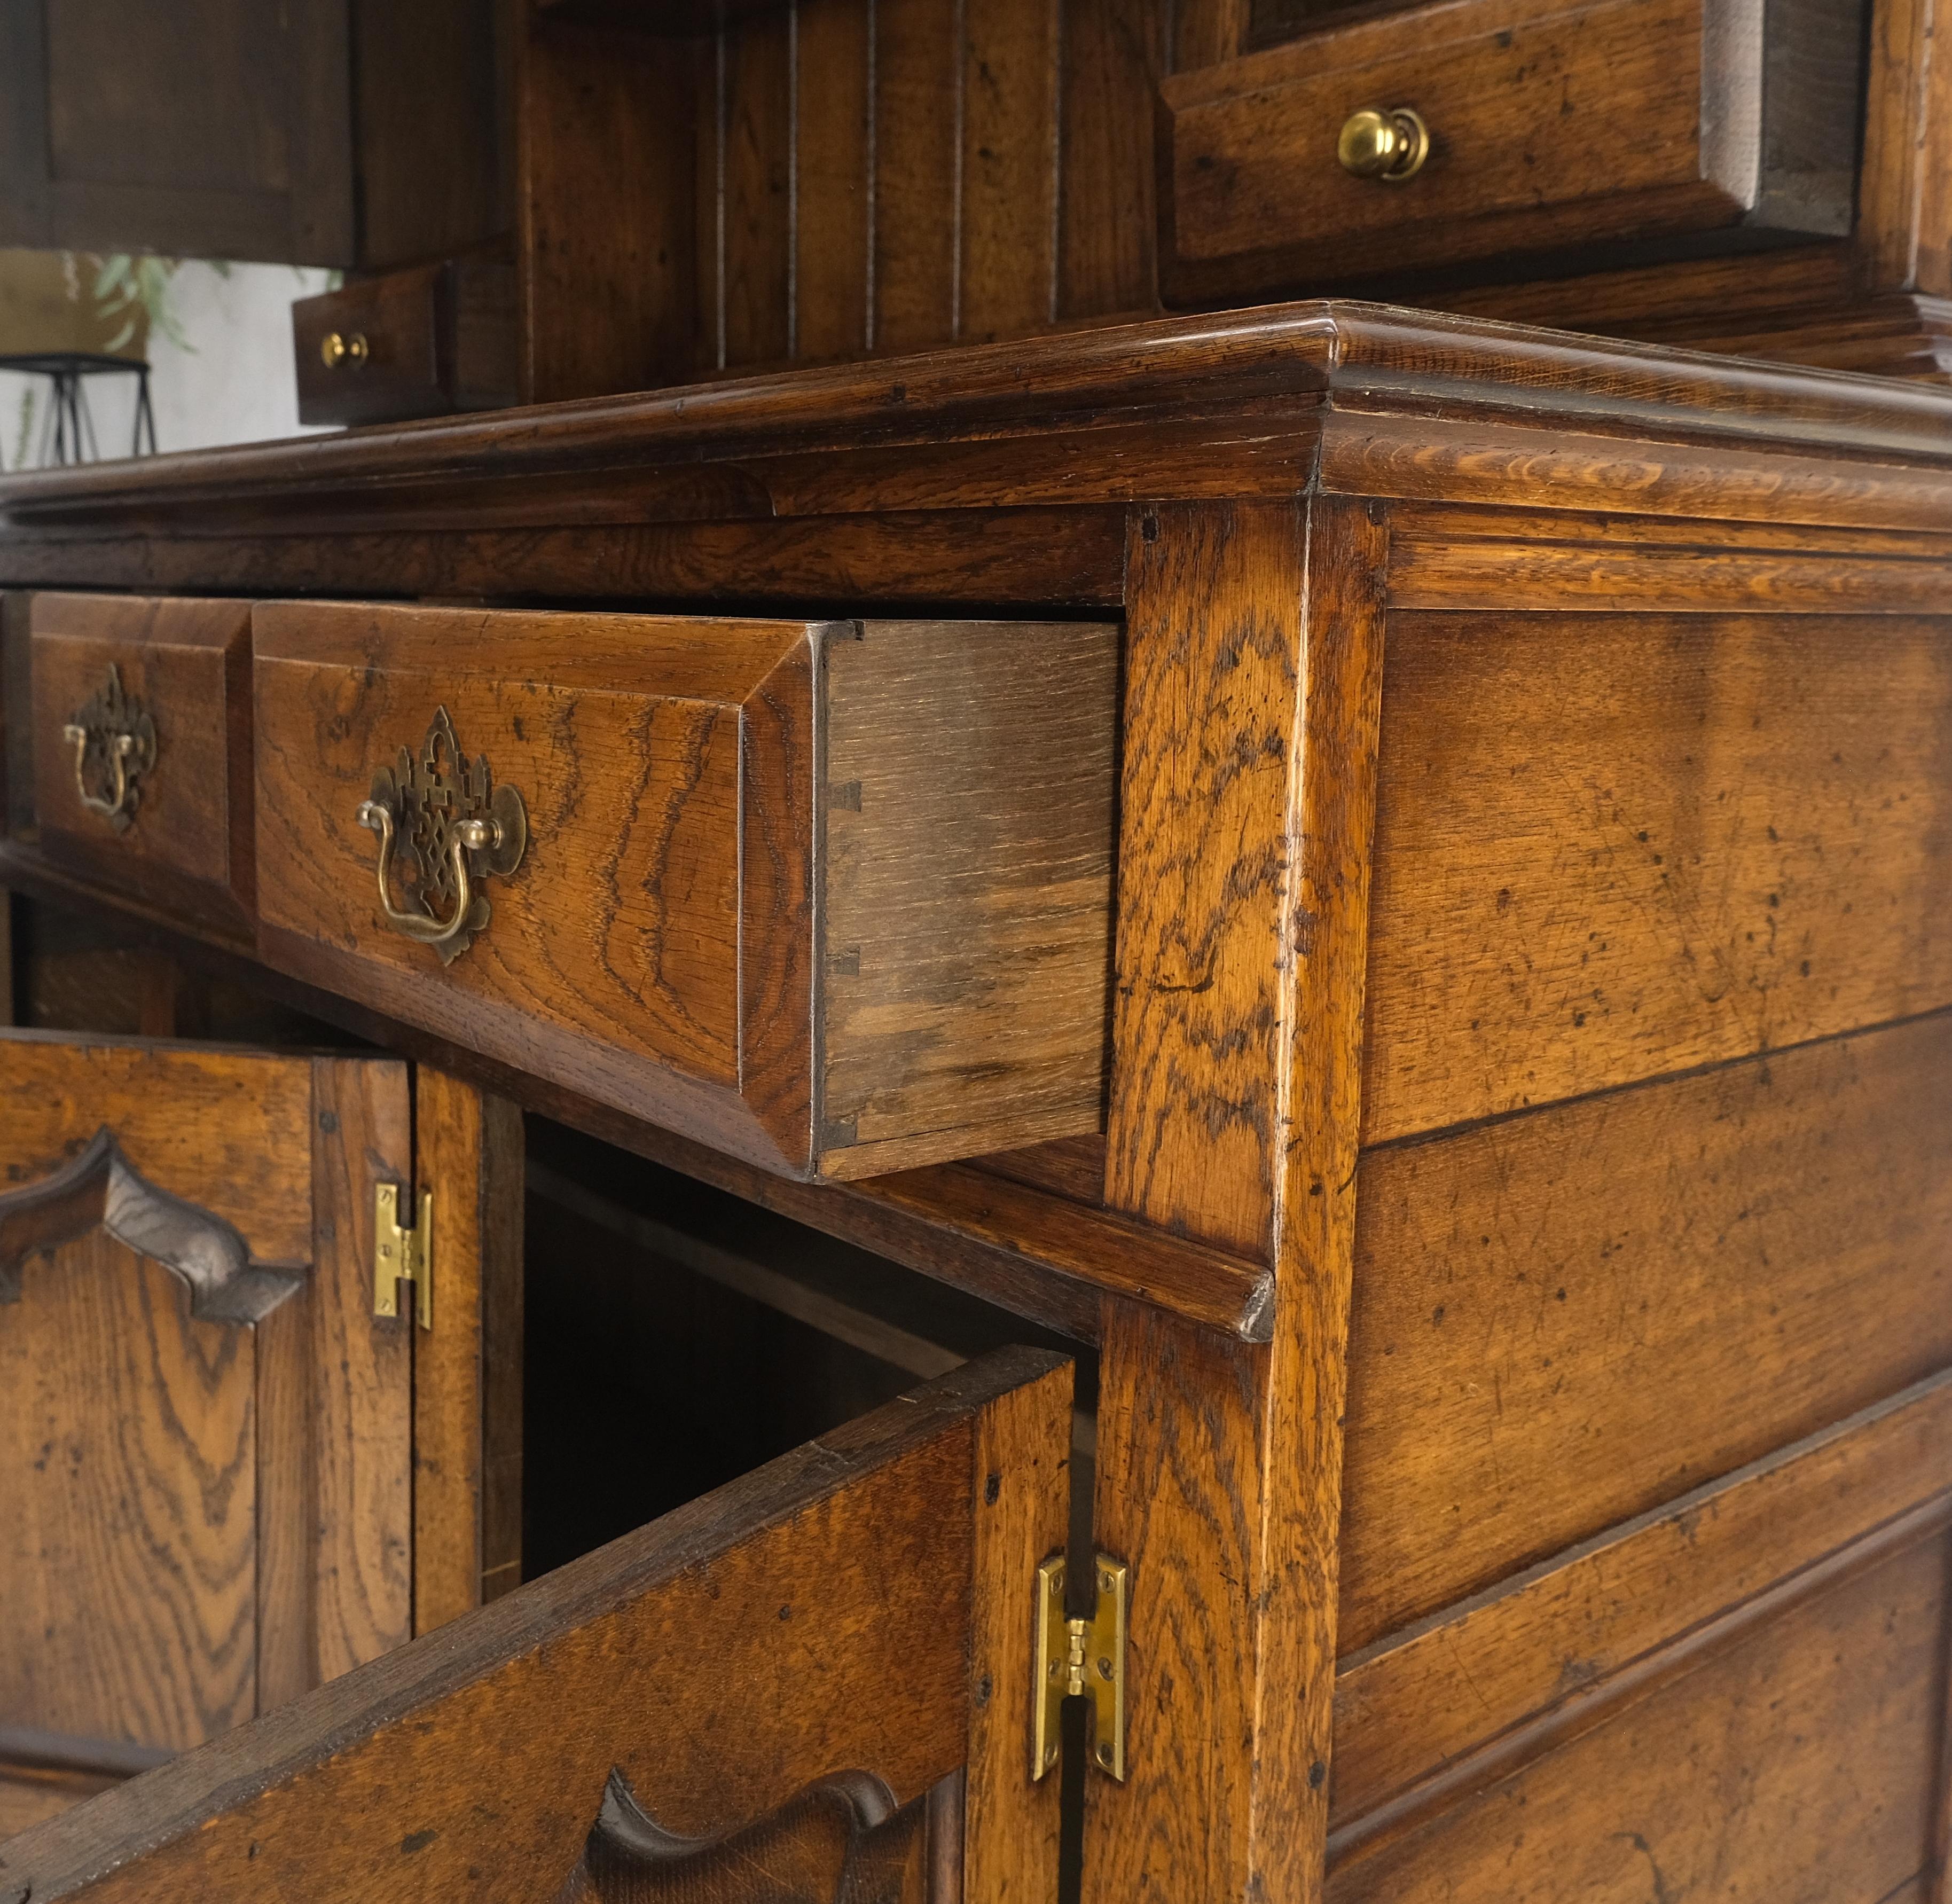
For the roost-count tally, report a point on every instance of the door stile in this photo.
(467, 1367)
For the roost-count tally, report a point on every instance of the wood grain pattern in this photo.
(834, 198)
(189, 663)
(467, 1369)
(917, 173)
(125, 1568)
(964, 760)
(1181, 1498)
(1021, 1493)
(1213, 614)
(1796, 1762)
(1325, 956)
(1789, 777)
(603, 116)
(292, 1807)
(1008, 272)
(1413, 1705)
(1564, 1318)
(1107, 237)
(755, 324)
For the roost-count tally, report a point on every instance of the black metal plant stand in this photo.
(67, 431)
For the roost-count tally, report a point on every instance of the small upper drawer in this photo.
(420, 342)
(833, 895)
(142, 753)
(1477, 129)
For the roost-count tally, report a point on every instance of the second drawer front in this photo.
(143, 779)
(1545, 124)
(647, 879)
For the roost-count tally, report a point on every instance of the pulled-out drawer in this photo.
(1467, 131)
(141, 730)
(833, 896)
(419, 343)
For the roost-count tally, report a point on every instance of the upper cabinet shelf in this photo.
(1461, 134)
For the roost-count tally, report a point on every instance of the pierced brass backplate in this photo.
(115, 743)
(444, 827)
(402, 1256)
(1080, 1659)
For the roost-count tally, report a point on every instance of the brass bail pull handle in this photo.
(470, 836)
(445, 828)
(118, 747)
(1390, 146)
(115, 743)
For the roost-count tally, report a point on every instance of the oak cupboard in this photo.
(1505, 1261)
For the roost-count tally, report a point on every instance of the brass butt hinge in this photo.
(1080, 1659)
(402, 1256)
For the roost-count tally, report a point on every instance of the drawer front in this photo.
(655, 939)
(1550, 126)
(414, 343)
(142, 759)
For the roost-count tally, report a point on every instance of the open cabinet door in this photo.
(209, 1439)
(766, 1697)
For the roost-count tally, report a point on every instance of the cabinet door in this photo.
(209, 1438)
(812, 1686)
(203, 128)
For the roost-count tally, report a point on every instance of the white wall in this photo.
(235, 385)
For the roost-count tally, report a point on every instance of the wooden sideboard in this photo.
(1505, 1170)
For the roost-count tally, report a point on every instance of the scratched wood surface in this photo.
(1707, 837)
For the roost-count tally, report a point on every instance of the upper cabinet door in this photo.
(204, 128)
(812, 1686)
(208, 1437)
(1461, 132)
(233, 129)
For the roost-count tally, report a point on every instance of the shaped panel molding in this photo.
(100, 1189)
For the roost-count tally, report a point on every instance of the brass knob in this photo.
(337, 350)
(1378, 144)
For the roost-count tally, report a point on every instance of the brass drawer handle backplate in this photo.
(1390, 146)
(445, 826)
(338, 350)
(115, 743)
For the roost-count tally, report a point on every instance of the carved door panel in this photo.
(811, 1686)
(208, 1500)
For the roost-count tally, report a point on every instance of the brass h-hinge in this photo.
(1080, 1659)
(402, 1256)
